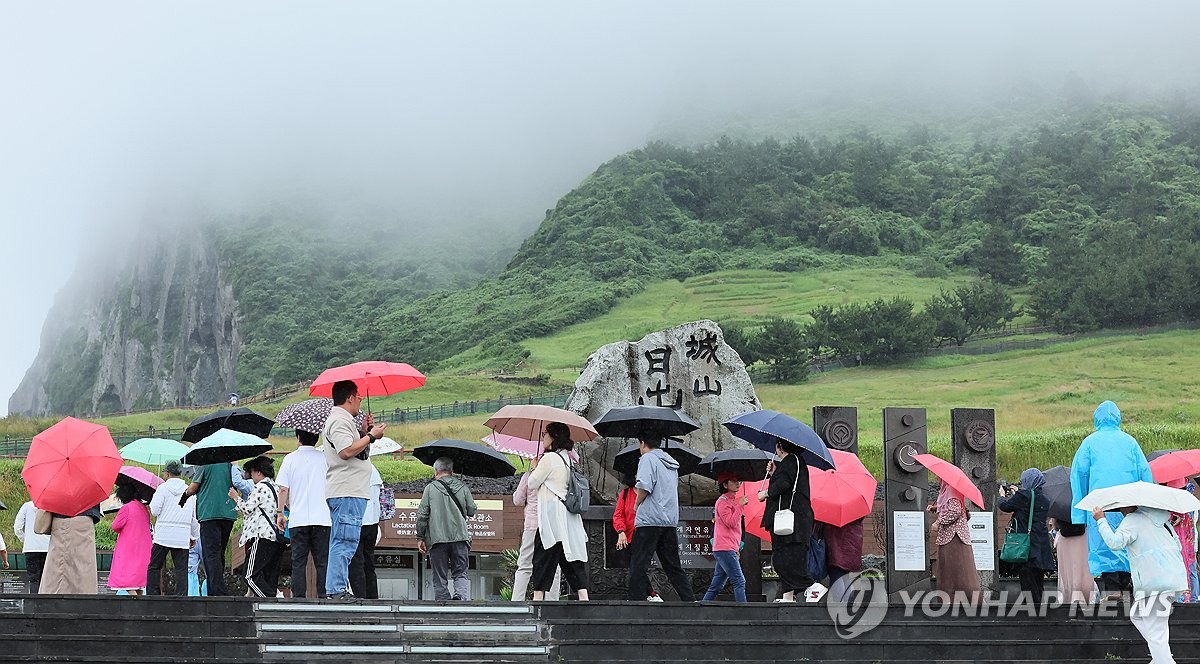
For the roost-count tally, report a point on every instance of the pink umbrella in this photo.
(144, 481)
(517, 446)
(526, 449)
(952, 475)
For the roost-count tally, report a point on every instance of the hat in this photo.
(174, 467)
(726, 477)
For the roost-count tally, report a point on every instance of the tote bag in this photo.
(1016, 545)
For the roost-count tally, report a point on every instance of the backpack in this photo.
(579, 493)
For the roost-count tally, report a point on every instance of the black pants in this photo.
(309, 540)
(548, 561)
(262, 567)
(35, 562)
(1115, 582)
(363, 582)
(790, 561)
(648, 540)
(158, 557)
(214, 539)
(1032, 579)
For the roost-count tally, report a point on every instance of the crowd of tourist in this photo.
(328, 503)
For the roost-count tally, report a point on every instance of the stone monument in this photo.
(689, 367)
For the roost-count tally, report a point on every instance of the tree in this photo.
(999, 257)
(945, 311)
(781, 344)
(986, 305)
(740, 341)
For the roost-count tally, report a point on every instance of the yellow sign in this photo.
(486, 505)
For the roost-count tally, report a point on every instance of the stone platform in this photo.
(203, 630)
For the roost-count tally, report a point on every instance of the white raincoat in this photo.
(1155, 554)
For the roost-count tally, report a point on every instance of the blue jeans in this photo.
(728, 569)
(345, 515)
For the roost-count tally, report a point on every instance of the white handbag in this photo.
(785, 520)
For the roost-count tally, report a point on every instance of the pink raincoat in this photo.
(131, 556)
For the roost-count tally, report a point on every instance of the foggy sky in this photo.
(447, 110)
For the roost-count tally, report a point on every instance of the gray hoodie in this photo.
(658, 474)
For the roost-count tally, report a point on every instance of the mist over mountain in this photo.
(394, 132)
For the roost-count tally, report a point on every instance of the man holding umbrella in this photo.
(347, 482)
(216, 512)
(657, 518)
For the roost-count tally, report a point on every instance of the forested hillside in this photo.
(1097, 211)
(1094, 215)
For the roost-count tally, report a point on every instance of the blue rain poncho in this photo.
(1106, 458)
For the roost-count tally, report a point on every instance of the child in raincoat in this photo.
(1156, 566)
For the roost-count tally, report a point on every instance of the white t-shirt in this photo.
(347, 478)
(302, 473)
(371, 515)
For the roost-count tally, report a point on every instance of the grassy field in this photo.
(1043, 398)
(740, 295)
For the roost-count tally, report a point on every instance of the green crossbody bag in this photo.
(1016, 545)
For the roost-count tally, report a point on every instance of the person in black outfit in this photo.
(1019, 501)
(789, 487)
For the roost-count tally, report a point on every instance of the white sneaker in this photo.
(815, 592)
(654, 598)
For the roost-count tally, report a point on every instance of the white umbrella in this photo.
(1139, 494)
(385, 445)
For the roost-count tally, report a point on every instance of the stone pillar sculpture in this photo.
(974, 440)
(906, 488)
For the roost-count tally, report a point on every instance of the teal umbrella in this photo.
(226, 445)
(154, 451)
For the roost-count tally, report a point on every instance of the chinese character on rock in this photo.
(704, 348)
(657, 393)
(659, 359)
(708, 387)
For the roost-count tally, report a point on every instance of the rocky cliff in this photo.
(152, 324)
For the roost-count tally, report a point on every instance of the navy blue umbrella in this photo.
(761, 427)
(746, 465)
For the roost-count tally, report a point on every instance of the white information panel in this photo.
(983, 540)
(908, 535)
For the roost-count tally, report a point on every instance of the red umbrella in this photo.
(755, 509)
(844, 494)
(1176, 466)
(71, 467)
(952, 475)
(372, 378)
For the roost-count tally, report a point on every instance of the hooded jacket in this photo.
(176, 526)
(1106, 458)
(658, 475)
(1155, 556)
(439, 519)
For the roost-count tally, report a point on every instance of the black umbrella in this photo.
(234, 419)
(1057, 489)
(633, 421)
(472, 459)
(224, 446)
(3, 506)
(747, 465)
(626, 461)
(1157, 453)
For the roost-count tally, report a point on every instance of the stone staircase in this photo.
(383, 631)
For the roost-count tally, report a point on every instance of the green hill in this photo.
(730, 295)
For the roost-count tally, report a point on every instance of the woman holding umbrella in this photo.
(955, 565)
(131, 555)
(71, 560)
(561, 541)
(788, 490)
(1020, 501)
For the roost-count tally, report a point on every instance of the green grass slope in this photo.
(728, 295)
